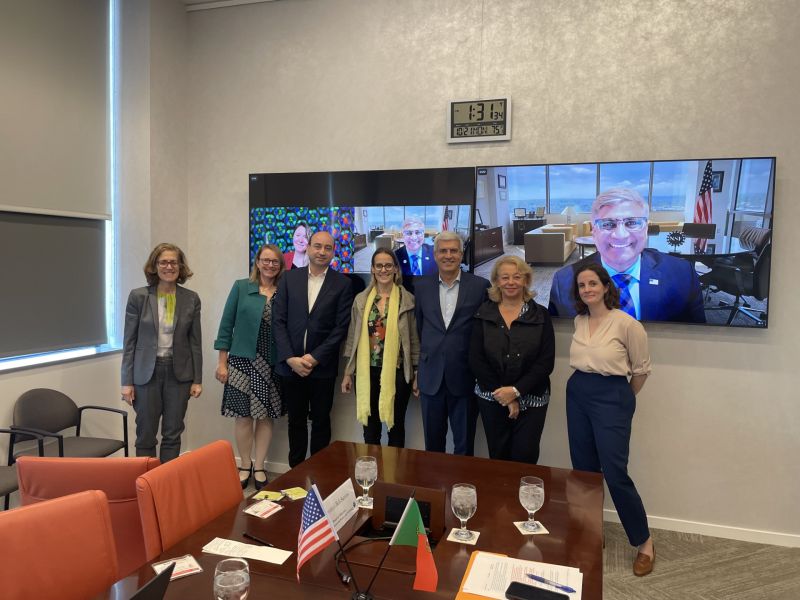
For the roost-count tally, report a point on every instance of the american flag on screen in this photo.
(316, 529)
(445, 220)
(703, 207)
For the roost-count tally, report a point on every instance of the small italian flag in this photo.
(411, 532)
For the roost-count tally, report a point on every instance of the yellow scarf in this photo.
(391, 352)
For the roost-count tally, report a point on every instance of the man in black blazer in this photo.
(445, 307)
(311, 314)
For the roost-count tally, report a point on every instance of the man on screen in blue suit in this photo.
(415, 256)
(445, 307)
(653, 286)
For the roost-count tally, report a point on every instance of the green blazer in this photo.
(241, 320)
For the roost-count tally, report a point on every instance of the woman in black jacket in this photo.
(512, 352)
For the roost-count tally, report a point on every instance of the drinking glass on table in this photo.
(366, 474)
(231, 579)
(531, 496)
(464, 502)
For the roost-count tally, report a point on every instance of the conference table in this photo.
(572, 512)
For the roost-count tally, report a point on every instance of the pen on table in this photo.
(259, 540)
(555, 584)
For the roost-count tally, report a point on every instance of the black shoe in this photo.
(259, 484)
(246, 482)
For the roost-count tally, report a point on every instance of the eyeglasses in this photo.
(630, 223)
(384, 267)
(272, 262)
(167, 263)
(415, 232)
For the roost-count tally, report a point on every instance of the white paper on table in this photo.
(225, 547)
(184, 565)
(263, 509)
(491, 574)
(341, 504)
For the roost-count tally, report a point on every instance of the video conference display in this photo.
(689, 240)
(400, 210)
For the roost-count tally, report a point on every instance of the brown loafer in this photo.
(643, 564)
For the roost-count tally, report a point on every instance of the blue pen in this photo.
(555, 584)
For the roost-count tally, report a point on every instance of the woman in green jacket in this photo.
(252, 392)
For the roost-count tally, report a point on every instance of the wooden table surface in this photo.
(572, 512)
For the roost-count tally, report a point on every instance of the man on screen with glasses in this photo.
(415, 256)
(653, 286)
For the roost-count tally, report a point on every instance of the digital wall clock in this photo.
(479, 120)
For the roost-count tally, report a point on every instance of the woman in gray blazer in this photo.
(382, 350)
(162, 358)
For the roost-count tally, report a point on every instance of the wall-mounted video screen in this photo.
(690, 240)
(402, 210)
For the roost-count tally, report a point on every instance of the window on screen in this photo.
(572, 185)
(672, 180)
(634, 176)
(527, 186)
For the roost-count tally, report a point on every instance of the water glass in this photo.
(231, 579)
(366, 474)
(464, 502)
(531, 496)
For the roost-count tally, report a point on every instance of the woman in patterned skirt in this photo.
(252, 392)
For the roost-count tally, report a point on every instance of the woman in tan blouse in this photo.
(608, 347)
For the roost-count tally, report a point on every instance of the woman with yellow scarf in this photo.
(382, 349)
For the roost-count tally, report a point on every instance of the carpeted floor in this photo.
(696, 567)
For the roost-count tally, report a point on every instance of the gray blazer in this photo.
(141, 337)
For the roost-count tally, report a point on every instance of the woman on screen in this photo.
(512, 353)
(298, 257)
(608, 347)
(382, 349)
(162, 355)
(252, 394)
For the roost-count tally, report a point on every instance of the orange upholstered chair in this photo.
(47, 478)
(62, 548)
(184, 494)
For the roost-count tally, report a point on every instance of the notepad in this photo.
(488, 575)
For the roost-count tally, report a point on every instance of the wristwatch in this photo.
(516, 391)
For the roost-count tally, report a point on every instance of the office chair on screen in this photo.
(181, 496)
(49, 412)
(743, 274)
(71, 540)
(47, 478)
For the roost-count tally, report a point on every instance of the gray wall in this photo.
(344, 84)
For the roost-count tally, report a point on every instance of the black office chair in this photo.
(743, 274)
(47, 412)
(8, 472)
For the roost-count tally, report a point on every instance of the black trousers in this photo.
(374, 426)
(308, 397)
(512, 439)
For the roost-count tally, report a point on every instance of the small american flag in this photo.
(703, 207)
(316, 529)
(445, 220)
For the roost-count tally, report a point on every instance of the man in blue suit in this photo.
(653, 286)
(311, 313)
(415, 257)
(445, 307)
